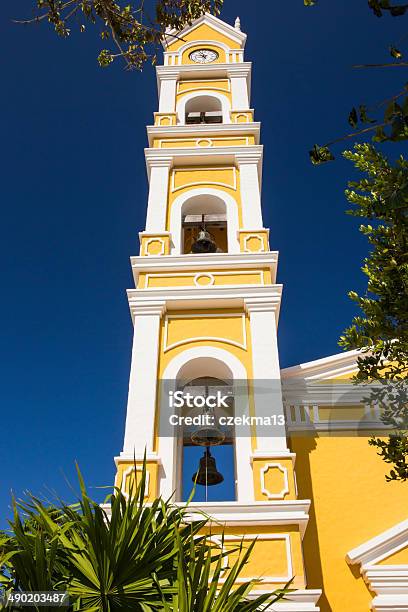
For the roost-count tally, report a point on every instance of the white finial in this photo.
(237, 24)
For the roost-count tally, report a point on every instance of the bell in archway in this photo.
(204, 243)
(207, 474)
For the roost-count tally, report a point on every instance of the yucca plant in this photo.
(205, 583)
(124, 555)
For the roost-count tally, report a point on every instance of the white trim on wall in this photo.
(198, 93)
(284, 471)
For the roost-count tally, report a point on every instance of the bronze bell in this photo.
(204, 243)
(207, 474)
(208, 436)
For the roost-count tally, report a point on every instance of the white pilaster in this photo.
(248, 164)
(158, 190)
(266, 373)
(239, 89)
(167, 94)
(141, 408)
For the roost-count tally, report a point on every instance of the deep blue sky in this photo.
(74, 199)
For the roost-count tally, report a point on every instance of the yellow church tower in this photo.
(205, 395)
(205, 311)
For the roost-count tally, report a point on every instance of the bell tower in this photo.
(205, 310)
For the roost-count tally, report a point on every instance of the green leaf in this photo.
(320, 155)
(353, 118)
(394, 52)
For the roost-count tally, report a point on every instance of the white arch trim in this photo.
(168, 448)
(232, 217)
(225, 104)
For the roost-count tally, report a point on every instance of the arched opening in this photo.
(206, 454)
(203, 109)
(204, 213)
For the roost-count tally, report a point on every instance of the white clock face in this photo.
(203, 56)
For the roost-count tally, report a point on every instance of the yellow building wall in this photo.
(223, 178)
(351, 503)
(175, 143)
(270, 557)
(203, 32)
(210, 277)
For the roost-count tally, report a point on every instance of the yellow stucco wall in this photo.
(210, 277)
(351, 503)
(270, 555)
(224, 178)
(203, 32)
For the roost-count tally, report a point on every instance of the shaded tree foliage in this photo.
(127, 28)
(381, 332)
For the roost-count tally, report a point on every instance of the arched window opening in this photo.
(204, 226)
(203, 109)
(206, 441)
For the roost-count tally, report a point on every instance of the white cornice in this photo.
(305, 392)
(237, 514)
(388, 582)
(327, 367)
(206, 71)
(182, 298)
(256, 513)
(139, 457)
(214, 22)
(202, 131)
(216, 261)
(380, 546)
(203, 156)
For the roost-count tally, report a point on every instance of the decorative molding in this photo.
(173, 188)
(204, 130)
(327, 367)
(200, 297)
(380, 547)
(222, 260)
(284, 471)
(125, 457)
(242, 345)
(388, 582)
(217, 262)
(127, 473)
(182, 100)
(250, 237)
(208, 275)
(215, 155)
(236, 514)
(227, 70)
(212, 21)
(154, 239)
(273, 455)
(180, 92)
(151, 308)
(262, 537)
(212, 275)
(231, 208)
